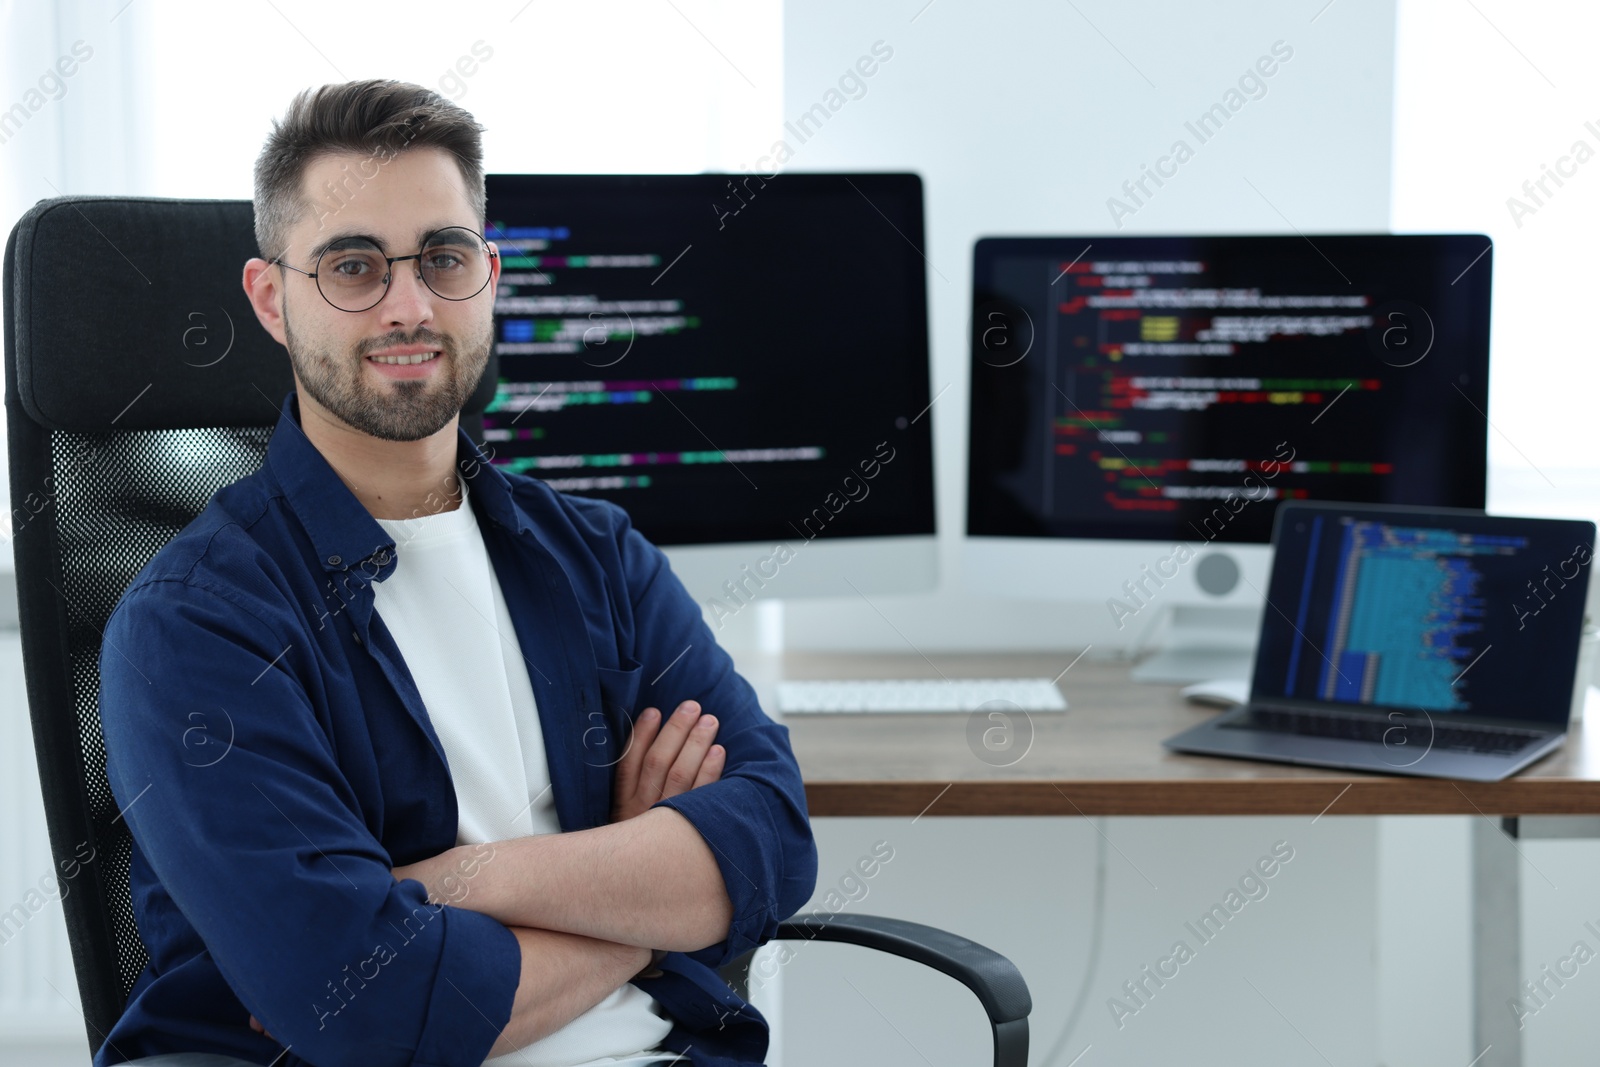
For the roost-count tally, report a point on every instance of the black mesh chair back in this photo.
(138, 383)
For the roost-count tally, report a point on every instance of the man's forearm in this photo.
(563, 976)
(651, 881)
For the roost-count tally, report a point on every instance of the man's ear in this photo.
(494, 269)
(263, 285)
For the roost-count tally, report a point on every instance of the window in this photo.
(1496, 132)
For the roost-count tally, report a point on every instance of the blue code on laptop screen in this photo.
(1439, 612)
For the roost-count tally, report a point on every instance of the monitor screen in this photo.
(730, 358)
(1178, 388)
(1450, 613)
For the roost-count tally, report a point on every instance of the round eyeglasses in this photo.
(353, 274)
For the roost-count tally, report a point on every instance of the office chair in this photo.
(137, 384)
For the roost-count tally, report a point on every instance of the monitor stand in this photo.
(1203, 644)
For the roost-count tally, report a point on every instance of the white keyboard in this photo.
(916, 695)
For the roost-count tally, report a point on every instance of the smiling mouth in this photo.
(405, 361)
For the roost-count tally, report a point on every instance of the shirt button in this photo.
(334, 561)
(357, 635)
(381, 558)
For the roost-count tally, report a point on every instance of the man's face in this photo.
(332, 352)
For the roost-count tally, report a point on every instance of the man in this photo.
(383, 720)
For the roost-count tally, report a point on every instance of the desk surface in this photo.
(1103, 756)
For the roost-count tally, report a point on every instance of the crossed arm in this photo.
(592, 908)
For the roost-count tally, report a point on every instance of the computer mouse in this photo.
(1218, 693)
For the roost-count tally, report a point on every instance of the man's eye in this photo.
(444, 261)
(352, 267)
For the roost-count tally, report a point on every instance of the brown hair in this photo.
(377, 116)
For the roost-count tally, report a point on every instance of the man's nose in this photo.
(409, 300)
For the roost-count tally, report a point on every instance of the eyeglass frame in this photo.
(390, 261)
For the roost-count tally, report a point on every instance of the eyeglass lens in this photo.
(355, 275)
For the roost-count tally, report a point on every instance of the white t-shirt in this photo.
(444, 607)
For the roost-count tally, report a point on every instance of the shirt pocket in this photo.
(606, 737)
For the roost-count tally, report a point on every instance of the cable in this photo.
(1095, 935)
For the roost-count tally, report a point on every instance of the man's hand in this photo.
(664, 760)
(670, 898)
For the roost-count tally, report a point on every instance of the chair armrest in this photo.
(995, 980)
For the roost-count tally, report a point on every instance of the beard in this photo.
(392, 409)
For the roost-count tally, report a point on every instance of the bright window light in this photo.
(1496, 131)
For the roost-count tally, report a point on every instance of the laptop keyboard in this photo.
(1490, 740)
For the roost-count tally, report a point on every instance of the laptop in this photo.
(1422, 641)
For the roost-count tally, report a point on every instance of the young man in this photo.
(383, 718)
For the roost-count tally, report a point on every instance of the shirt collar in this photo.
(342, 531)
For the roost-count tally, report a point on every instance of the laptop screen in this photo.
(1447, 612)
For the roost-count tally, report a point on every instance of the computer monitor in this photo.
(741, 362)
(1139, 405)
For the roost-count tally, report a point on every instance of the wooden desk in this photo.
(1103, 756)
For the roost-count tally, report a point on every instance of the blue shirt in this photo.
(275, 761)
